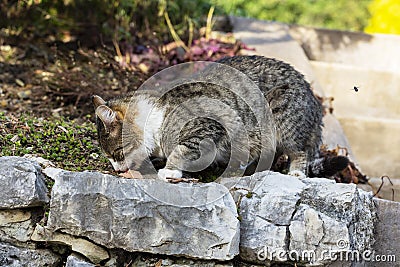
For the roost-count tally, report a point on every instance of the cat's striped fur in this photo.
(296, 113)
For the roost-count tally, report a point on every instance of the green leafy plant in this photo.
(340, 14)
(112, 20)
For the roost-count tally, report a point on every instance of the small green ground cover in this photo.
(69, 144)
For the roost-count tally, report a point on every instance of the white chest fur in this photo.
(149, 119)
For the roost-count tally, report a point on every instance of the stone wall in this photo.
(95, 219)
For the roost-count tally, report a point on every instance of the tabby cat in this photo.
(169, 130)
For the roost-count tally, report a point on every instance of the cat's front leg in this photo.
(193, 158)
(173, 167)
(165, 173)
(298, 164)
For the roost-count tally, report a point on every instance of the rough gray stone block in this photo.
(346, 204)
(73, 261)
(287, 219)
(22, 183)
(192, 220)
(266, 206)
(91, 251)
(16, 226)
(12, 256)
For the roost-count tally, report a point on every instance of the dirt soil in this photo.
(59, 79)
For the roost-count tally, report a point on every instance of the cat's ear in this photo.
(106, 115)
(97, 101)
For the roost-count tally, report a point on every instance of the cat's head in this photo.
(113, 133)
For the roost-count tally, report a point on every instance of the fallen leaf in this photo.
(131, 174)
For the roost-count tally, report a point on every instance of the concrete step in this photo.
(370, 117)
(378, 93)
(387, 234)
(375, 143)
(371, 51)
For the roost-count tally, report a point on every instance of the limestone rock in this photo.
(287, 219)
(146, 215)
(150, 261)
(313, 233)
(16, 226)
(22, 183)
(91, 251)
(266, 203)
(44, 163)
(74, 261)
(346, 204)
(12, 256)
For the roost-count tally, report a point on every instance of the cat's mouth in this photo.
(119, 166)
(122, 171)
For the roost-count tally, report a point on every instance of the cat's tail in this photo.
(327, 166)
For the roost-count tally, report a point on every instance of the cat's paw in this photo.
(298, 174)
(163, 174)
